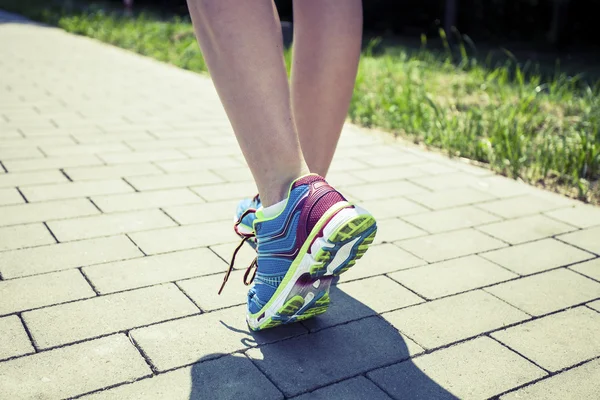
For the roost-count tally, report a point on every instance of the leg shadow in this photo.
(347, 341)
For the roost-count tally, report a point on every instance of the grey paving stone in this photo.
(20, 236)
(77, 149)
(236, 174)
(393, 159)
(111, 171)
(380, 293)
(10, 196)
(446, 181)
(13, 338)
(385, 174)
(440, 322)
(521, 206)
(529, 258)
(595, 305)
(452, 276)
(146, 200)
(376, 191)
(358, 388)
(44, 164)
(206, 380)
(151, 270)
(72, 370)
(71, 322)
(390, 230)
(75, 189)
(391, 208)
(47, 211)
(42, 290)
(578, 383)
(589, 268)
(350, 349)
(203, 337)
(226, 191)
(586, 239)
(452, 219)
(583, 216)
(158, 144)
(199, 164)
(203, 291)
(478, 369)
(175, 180)
(557, 341)
(31, 178)
(205, 212)
(443, 246)
(501, 187)
(451, 198)
(57, 257)
(526, 229)
(141, 156)
(547, 292)
(183, 237)
(380, 260)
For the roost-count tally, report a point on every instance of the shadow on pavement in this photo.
(324, 356)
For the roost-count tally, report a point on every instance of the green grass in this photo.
(542, 129)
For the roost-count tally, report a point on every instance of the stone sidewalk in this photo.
(118, 179)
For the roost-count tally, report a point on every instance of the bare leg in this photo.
(241, 42)
(327, 39)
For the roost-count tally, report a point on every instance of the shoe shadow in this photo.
(334, 350)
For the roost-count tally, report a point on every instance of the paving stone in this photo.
(236, 174)
(525, 229)
(446, 181)
(380, 293)
(583, 216)
(56, 257)
(31, 178)
(71, 322)
(434, 168)
(198, 164)
(212, 151)
(13, 339)
(243, 258)
(111, 171)
(51, 163)
(358, 388)
(478, 369)
(589, 268)
(350, 350)
(10, 196)
(109, 224)
(141, 156)
(226, 191)
(452, 219)
(157, 144)
(385, 174)
(346, 164)
(393, 159)
(547, 292)
(42, 290)
(78, 149)
(381, 260)
(443, 246)
(47, 211)
(16, 153)
(451, 198)
(499, 186)
(206, 380)
(557, 341)
(20, 236)
(586, 239)
(203, 337)
(146, 200)
(342, 179)
(595, 305)
(183, 237)
(578, 383)
(440, 322)
(203, 291)
(391, 208)
(151, 270)
(376, 191)
(529, 258)
(453, 276)
(72, 370)
(175, 180)
(521, 206)
(75, 189)
(390, 230)
(206, 212)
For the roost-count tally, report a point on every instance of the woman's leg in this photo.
(241, 42)
(327, 40)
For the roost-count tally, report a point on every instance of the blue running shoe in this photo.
(244, 218)
(317, 236)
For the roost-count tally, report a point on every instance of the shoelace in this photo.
(246, 236)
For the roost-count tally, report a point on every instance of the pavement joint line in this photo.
(399, 283)
(263, 373)
(377, 386)
(136, 245)
(593, 309)
(145, 356)
(62, 171)
(582, 274)
(519, 353)
(543, 378)
(169, 216)
(504, 301)
(51, 233)
(557, 237)
(87, 279)
(129, 183)
(189, 298)
(95, 205)
(22, 195)
(29, 335)
(3, 167)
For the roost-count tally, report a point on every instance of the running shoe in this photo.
(244, 227)
(316, 237)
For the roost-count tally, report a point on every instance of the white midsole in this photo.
(339, 219)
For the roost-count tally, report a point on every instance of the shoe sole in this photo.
(337, 241)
